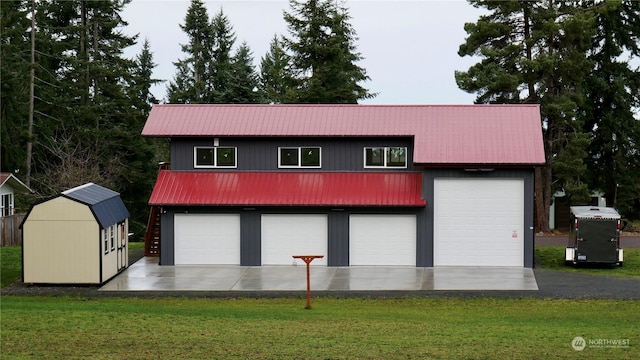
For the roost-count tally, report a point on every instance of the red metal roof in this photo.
(443, 134)
(288, 188)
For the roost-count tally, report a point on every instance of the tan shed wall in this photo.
(61, 244)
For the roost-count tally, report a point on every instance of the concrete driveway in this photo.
(147, 275)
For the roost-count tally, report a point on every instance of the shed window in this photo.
(6, 206)
(385, 157)
(113, 237)
(297, 157)
(106, 241)
(123, 235)
(212, 157)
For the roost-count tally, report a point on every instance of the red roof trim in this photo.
(397, 189)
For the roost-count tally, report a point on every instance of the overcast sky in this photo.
(409, 47)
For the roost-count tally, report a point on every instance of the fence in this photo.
(10, 230)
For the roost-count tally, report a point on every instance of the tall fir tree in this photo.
(244, 85)
(535, 52)
(323, 54)
(14, 84)
(221, 62)
(192, 73)
(276, 79)
(613, 92)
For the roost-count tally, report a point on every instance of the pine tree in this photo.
(221, 63)
(244, 84)
(192, 73)
(535, 52)
(275, 74)
(14, 83)
(323, 54)
(142, 80)
(613, 92)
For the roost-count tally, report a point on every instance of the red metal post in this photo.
(308, 259)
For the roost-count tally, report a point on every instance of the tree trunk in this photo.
(32, 74)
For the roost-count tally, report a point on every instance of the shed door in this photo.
(286, 235)
(207, 239)
(478, 222)
(382, 240)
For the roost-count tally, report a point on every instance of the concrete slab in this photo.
(147, 275)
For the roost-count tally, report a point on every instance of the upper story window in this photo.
(385, 157)
(297, 157)
(212, 157)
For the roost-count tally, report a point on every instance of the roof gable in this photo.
(105, 204)
(443, 134)
(8, 179)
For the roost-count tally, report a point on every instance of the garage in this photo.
(285, 235)
(382, 240)
(478, 222)
(202, 239)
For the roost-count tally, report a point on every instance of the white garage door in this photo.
(478, 222)
(382, 240)
(207, 239)
(286, 235)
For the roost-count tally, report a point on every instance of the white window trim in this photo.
(10, 207)
(385, 151)
(215, 157)
(105, 240)
(112, 230)
(299, 149)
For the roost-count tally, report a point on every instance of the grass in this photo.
(11, 262)
(393, 328)
(404, 328)
(552, 257)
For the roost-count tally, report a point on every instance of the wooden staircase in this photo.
(152, 237)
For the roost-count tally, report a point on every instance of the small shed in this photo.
(77, 237)
(9, 185)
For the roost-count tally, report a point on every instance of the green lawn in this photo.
(10, 264)
(424, 328)
(394, 328)
(552, 257)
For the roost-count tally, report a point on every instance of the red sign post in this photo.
(308, 259)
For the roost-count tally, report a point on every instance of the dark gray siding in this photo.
(338, 246)
(526, 174)
(261, 154)
(250, 238)
(167, 249)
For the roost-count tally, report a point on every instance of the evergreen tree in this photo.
(244, 84)
(612, 90)
(221, 63)
(535, 52)
(140, 156)
(142, 80)
(192, 73)
(323, 54)
(14, 83)
(275, 74)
